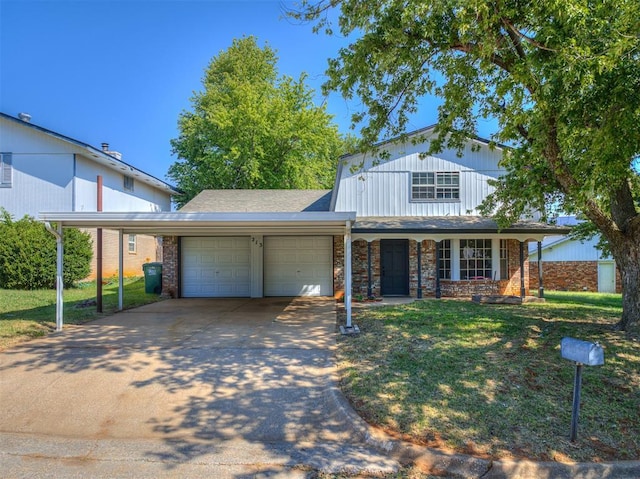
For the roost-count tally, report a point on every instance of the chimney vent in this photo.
(25, 117)
(105, 147)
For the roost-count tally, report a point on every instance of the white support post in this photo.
(59, 278)
(59, 270)
(120, 274)
(347, 272)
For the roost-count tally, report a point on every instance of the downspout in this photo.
(59, 268)
(120, 273)
(347, 272)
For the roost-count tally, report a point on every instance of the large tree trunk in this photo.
(627, 256)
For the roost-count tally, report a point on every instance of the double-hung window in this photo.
(436, 185)
(475, 259)
(132, 244)
(6, 170)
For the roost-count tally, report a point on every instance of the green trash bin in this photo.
(152, 278)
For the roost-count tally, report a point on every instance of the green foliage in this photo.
(562, 78)
(250, 129)
(28, 254)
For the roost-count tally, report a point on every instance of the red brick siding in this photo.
(170, 277)
(569, 276)
(338, 266)
(147, 250)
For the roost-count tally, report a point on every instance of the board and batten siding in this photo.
(384, 189)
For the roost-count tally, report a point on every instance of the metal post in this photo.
(369, 285)
(419, 248)
(99, 249)
(540, 286)
(120, 272)
(347, 272)
(577, 386)
(438, 290)
(522, 288)
(59, 278)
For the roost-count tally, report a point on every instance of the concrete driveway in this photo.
(184, 387)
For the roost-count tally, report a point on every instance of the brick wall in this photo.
(569, 276)
(170, 276)
(338, 266)
(147, 250)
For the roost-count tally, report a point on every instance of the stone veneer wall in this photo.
(170, 277)
(428, 271)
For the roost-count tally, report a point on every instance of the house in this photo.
(42, 170)
(570, 264)
(417, 232)
(399, 224)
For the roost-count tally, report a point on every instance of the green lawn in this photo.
(489, 379)
(29, 314)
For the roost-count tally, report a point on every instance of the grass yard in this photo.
(30, 314)
(488, 380)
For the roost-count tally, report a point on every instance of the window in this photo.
(132, 247)
(504, 259)
(475, 259)
(6, 170)
(433, 186)
(444, 268)
(128, 183)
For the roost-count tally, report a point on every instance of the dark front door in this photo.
(394, 259)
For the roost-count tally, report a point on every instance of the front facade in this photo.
(417, 232)
(45, 171)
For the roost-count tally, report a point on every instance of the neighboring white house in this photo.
(570, 264)
(42, 170)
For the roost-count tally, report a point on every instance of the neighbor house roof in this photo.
(450, 225)
(253, 201)
(99, 156)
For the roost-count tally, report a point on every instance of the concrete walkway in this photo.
(182, 388)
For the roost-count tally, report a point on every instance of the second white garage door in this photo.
(298, 266)
(216, 267)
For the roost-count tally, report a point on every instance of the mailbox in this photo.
(583, 352)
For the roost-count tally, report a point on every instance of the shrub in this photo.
(28, 254)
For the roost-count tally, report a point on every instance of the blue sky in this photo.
(121, 71)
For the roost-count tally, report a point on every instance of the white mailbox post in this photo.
(582, 353)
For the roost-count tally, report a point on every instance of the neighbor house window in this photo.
(504, 259)
(132, 246)
(6, 171)
(444, 268)
(475, 259)
(433, 186)
(128, 183)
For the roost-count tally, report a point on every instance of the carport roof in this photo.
(206, 224)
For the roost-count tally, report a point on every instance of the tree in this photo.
(562, 78)
(250, 129)
(28, 254)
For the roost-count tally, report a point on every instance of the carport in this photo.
(195, 225)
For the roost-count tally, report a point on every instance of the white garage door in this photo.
(216, 267)
(298, 266)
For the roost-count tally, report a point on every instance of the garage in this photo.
(216, 267)
(298, 266)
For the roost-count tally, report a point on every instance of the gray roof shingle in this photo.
(254, 201)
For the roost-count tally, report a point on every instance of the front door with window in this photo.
(394, 262)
